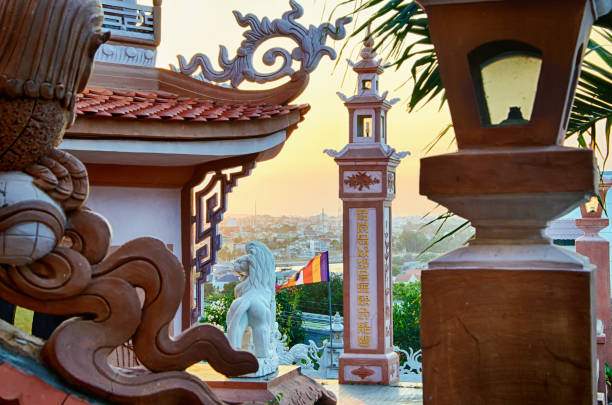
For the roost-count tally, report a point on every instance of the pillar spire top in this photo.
(367, 64)
(367, 52)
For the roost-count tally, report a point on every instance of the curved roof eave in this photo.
(171, 153)
(112, 75)
(180, 130)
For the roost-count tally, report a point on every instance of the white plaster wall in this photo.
(137, 212)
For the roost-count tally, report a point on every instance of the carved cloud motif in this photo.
(361, 180)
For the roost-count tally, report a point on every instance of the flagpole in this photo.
(331, 334)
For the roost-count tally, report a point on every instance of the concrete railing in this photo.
(131, 22)
(311, 355)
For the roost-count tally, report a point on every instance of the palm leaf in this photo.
(438, 239)
(593, 100)
(438, 138)
(401, 27)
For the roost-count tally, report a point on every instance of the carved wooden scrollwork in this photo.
(63, 177)
(210, 203)
(75, 281)
(54, 259)
(41, 73)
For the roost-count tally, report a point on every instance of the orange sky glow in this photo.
(301, 180)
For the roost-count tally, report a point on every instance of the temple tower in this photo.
(367, 187)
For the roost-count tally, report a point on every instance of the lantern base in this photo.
(369, 368)
(543, 169)
(508, 336)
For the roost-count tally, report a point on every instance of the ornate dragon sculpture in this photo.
(53, 258)
(311, 48)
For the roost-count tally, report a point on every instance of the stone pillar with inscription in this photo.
(367, 187)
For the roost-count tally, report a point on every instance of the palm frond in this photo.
(593, 101)
(401, 29)
(438, 239)
(428, 148)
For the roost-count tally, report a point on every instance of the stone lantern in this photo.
(594, 207)
(367, 187)
(334, 350)
(337, 330)
(509, 318)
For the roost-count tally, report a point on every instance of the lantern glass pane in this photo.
(509, 84)
(592, 205)
(364, 126)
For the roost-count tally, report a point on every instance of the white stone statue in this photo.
(255, 308)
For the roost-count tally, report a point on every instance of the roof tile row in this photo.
(147, 105)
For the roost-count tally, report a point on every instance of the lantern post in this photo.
(509, 319)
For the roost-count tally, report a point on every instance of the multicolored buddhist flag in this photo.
(316, 271)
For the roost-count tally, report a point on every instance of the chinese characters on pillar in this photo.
(363, 294)
(364, 328)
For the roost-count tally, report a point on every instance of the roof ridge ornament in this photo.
(311, 48)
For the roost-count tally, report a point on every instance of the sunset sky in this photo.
(301, 180)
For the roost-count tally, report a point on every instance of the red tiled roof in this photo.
(24, 389)
(148, 105)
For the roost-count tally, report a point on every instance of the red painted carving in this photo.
(42, 74)
(63, 177)
(66, 282)
(303, 390)
(362, 372)
(360, 180)
(76, 278)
